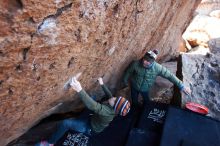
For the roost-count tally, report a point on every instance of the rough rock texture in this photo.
(206, 7)
(205, 25)
(199, 70)
(43, 43)
(214, 45)
(162, 91)
(202, 74)
(201, 30)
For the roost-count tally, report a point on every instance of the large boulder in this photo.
(206, 7)
(214, 45)
(44, 43)
(202, 74)
(205, 24)
(201, 30)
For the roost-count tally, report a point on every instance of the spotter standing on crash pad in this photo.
(143, 74)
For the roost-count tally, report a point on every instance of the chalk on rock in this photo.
(67, 84)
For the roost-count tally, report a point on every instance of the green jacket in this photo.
(143, 78)
(104, 113)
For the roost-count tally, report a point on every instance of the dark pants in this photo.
(78, 125)
(134, 97)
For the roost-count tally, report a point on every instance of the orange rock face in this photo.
(44, 43)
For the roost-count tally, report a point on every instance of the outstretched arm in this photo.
(87, 100)
(105, 88)
(165, 73)
(172, 78)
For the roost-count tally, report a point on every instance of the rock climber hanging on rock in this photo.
(103, 113)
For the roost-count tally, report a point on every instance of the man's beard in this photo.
(147, 65)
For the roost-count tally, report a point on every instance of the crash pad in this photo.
(114, 135)
(140, 137)
(153, 116)
(186, 128)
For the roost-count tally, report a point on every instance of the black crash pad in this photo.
(73, 138)
(153, 116)
(186, 128)
(114, 135)
(140, 137)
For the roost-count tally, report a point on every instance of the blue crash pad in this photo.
(186, 128)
